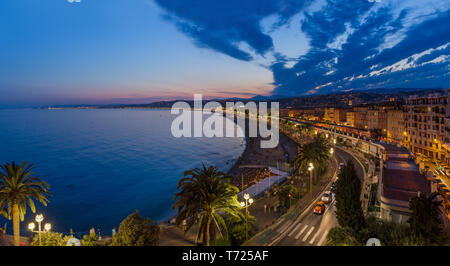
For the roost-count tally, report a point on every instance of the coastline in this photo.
(253, 154)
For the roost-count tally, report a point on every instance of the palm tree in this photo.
(316, 152)
(18, 187)
(205, 197)
(425, 219)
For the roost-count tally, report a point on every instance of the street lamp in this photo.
(331, 150)
(248, 201)
(39, 219)
(47, 227)
(310, 169)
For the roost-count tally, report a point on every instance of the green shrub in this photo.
(136, 231)
(89, 240)
(50, 239)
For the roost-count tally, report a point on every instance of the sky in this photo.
(135, 51)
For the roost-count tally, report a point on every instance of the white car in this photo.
(327, 197)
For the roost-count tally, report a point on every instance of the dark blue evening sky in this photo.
(132, 51)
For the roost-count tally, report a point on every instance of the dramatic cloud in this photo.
(350, 44)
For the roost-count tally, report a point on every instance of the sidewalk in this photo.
(174, 236)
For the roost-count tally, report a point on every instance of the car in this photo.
(333, 186)
(319, 208)
(327, 197)
(447, 171)
(341, 165)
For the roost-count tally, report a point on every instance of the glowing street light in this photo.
(331, 150)
(47, 227)
(248, 201)
(39, 218)
(31, 226)
(310, 169)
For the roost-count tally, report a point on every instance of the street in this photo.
(310, 229)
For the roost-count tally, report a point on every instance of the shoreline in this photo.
(254, 155)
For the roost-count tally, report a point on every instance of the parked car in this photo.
(327, 197)
(319, 208)
(447, 170)
(333, 186)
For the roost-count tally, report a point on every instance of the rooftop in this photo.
(402, 179)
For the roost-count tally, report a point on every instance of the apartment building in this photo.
(395, 126)
(372, 119)
(360, 117)
(425, 124)
(350, 119)
(447, 139)
(335, 115)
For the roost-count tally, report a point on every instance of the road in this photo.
(445, 179)
(309, 229)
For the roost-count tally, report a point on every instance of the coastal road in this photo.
(309, 229)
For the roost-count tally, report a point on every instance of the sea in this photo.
(104, 164)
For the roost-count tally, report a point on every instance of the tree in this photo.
(348, 204)
(425, 219)
(389, 233)
(339, 236)
(136, 231)
(316, 152)
(283, 195)
(238, 228)
(50, 239)
(205, 196)
(18, 188)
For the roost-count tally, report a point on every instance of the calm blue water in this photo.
(104, 164)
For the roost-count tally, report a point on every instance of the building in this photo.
(395, 126)
(377, 119)
(425, 125)
(360, 117)
(305, 113)
(335, 115)
(372, 119)
(447, 140)
(350, 119)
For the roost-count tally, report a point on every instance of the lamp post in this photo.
(39, 219)
(310, 169)
(248, 201)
